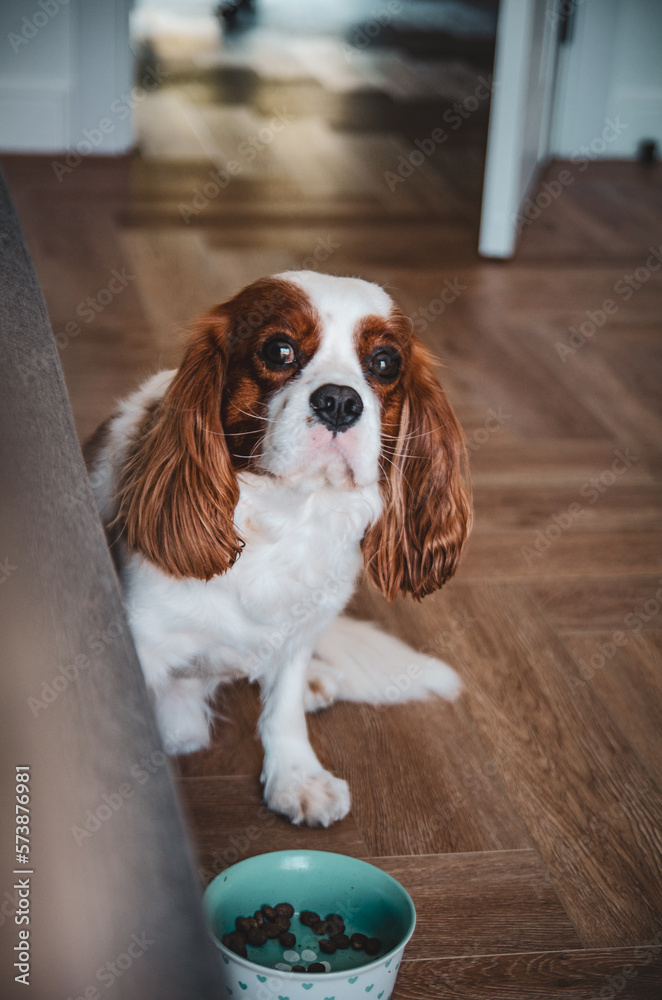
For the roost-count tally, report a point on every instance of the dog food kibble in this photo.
(271, 922)
(257, 936)
(236, 942)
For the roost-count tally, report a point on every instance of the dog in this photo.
(304, 436)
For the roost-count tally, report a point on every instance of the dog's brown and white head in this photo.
(309, 379)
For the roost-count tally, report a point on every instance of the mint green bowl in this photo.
(369, 901)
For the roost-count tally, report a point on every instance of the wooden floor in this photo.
(525, 821)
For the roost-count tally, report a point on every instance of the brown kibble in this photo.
(236, 942)
(340, 940)
(322, 927)
(309, 917)
(358, 941)
(298, 968)
(244, 924)
(272, 930)
(282, 922)
(287, 939)
(316, 967)
(257, 936)
(335, 918)
(327, 946)
(268, 912)
(372, 946)
(284, 910)
(258, 916)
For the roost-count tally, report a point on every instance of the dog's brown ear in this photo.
(416, 544)
(178, 490)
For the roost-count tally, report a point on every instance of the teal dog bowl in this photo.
(369, 901)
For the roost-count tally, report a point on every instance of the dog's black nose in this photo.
(337, 406)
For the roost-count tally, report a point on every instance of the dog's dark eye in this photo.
(279, 353)
(384, 364)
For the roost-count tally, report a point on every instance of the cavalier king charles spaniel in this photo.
(303, 436)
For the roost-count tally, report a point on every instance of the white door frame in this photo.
(520, 116)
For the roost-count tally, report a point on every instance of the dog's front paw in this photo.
(317, 799)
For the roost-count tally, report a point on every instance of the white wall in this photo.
(63, 63)
(611, 69)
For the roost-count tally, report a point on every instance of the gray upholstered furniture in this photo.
(114, 904)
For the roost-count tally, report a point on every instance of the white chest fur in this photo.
(296, 572)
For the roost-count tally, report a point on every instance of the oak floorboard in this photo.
(626, 670)
(552, 552)
(485, 903)
(603, 505)
(498, 460)
(539, 404)
(574, 235)
(528, 296)
(626, 973)
(633, 352)
(629, 604)
(622, 410)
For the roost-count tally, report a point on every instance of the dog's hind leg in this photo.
(356, 661)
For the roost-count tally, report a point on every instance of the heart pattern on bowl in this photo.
(352, 979)
(262, 979)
